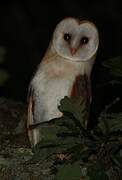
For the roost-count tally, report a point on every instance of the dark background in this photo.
(26, 28)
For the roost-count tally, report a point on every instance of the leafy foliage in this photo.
(74, 148)
(68, 150)
(75, 106)
(69, 171)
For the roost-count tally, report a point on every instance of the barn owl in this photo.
(71, 53)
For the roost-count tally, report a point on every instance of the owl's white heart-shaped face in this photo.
(75, 40)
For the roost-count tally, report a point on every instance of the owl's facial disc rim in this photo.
(78, 56)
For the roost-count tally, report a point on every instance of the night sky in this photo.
(26, 28)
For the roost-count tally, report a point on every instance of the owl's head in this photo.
(76, 40)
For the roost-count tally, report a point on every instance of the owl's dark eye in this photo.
(67, 37)
(84, 40)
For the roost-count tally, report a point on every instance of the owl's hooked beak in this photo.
(73, 51)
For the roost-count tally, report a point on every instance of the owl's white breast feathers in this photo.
(53, 81)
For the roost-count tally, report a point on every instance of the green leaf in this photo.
(117, 160)
(97, 172)
(113, 121)
(114, 65)
(85, 153)
(56, 130)
(74, 106)
(69, 172)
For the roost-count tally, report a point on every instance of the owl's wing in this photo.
(82, 87)
(33, 133)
